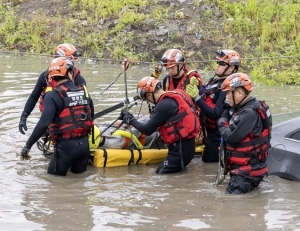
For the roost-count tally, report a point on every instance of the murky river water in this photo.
(131, 197)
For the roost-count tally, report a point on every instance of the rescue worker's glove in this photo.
(25, 153)
(193, 91)
(22, 124)
(194, 81)
(126, 116)
(157, 70)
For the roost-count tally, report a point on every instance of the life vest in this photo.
(185, 80)
(249, 156)
(183, 125)
(50, 87)
(210, 96)
(75, 120)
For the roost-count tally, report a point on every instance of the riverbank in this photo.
(265, 34)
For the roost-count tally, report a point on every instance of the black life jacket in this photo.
(248, 157)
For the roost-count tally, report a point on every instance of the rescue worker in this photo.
(179, 74)
(175, 117)
(68, 114)
(210, 100)
(42, 87)
(246, 130)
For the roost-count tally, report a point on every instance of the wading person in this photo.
(246, 130)
(175, 117)
(210, 100)
(179, 74)
(42, 85)
(68, 114)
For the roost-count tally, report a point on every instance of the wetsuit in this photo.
(72, 153)
(165, 109)
(246, 147)
(209, 116)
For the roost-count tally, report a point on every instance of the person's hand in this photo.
(126, 116)
(192, 90)
(22, 124)
(157, 70)
(25, 153)
(194, 81)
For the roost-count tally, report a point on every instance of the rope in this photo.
(146, 62)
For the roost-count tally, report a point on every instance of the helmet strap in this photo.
(233, 98)
(179, 70)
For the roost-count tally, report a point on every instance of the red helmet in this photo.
(172, 57)
(231, 57)
(237, 80)
(66, 50)
(59, 67)
(147, 85)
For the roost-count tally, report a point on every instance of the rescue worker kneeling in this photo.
(124, 137)
(175, 117)
(68, 114)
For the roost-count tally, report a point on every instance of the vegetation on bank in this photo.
(265, 32)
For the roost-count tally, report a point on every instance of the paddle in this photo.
(115, 107)
(111, 84)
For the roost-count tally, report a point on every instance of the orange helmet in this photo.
(237, 80)
(147, 85)
(231, 57)
(59, 67)
(172, 57)
(66, 50)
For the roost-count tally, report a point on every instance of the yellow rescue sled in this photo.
(121, 157)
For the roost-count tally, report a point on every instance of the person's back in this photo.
(246, 129)
(42, 86)
(210, 100)
(68, 115)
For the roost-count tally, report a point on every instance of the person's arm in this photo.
(215, 112)
(239, 126)
(163, 111)
(36, 93)
(79, 80)
(46, 118)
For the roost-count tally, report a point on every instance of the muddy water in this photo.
(131, 197)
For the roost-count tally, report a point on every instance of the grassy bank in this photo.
(265, 32)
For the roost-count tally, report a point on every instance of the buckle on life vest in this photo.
(83, 116)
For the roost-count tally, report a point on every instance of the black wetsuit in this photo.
(72, 153)
(165, 109)
(212, 136)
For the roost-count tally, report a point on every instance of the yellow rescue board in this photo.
(122, 157)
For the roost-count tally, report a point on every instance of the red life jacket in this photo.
(183, 125)
(75, 120)
(209, 97)
(50, 87)
(185, 80)
(249, 156)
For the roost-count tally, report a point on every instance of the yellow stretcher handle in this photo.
(130, 136)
